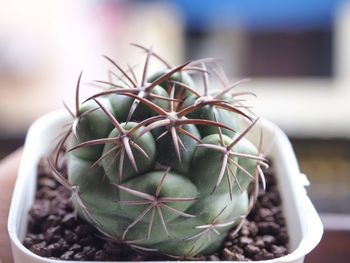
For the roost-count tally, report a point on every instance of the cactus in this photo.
(158, 165)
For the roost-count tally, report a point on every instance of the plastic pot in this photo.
(303, 223)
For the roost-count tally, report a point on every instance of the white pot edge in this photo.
(310, 226)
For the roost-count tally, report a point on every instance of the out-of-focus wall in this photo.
(45, 44)
(29, 53)
(295, 52)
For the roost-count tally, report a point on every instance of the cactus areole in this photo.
(159, 162)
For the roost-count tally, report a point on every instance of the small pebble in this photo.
(83, 230)
(69, 220)
(278, 251)
(89, 252)
(245, 240)
(80, 256)
(268, 239)
(251, 250)
(70, 236)
(268, 228)
(263, 255)
(47, 182)
(213, 258)
(40, 249)
(260, 243)
(232, 256)
(67, 255)
(100, 255)
(54, 248)
(75, 248)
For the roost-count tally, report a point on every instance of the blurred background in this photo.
(297, 53)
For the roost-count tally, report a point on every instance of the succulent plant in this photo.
(159, 165)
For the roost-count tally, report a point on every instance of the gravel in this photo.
(54, 231)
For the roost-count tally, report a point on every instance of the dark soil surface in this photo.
(54, 232)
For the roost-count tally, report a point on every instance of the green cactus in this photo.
(156, 165)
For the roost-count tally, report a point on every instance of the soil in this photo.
(54, 232)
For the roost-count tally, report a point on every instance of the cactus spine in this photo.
(157, 164)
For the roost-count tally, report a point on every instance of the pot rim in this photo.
(310, 225)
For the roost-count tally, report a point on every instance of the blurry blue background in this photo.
(260, 15)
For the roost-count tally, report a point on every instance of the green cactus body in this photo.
(111, 163)
(90, 126)
(240, 178)
(121, 104)
(172, 178)
(206, 176)
(142, 112)
(244, 146)
(168, 157)
(213, 216)
(213, 114)
(175, 186)
(181, 77)
(94, 185)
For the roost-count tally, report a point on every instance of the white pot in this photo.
(304, 225)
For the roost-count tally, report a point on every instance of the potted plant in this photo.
(158, 166)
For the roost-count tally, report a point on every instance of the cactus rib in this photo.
(155, 204)
(161, 151)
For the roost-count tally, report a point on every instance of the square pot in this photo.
(304, 226)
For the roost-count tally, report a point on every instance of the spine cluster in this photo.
(161, 162)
